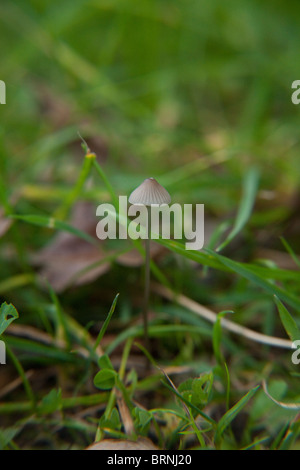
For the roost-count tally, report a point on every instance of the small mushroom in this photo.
(149, 193)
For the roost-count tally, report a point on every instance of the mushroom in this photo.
(149, 193)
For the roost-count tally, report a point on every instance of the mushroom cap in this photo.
(150, 192)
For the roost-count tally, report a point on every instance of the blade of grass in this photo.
(23, 376)
(106, 322)
(287, 320)
(254, 275)
(74, 194)
(51, 222)
(155, 331)
(292, 433)
(229, 416)
(210, 258)
(68, 402)
(217, 336)
(290, 251)
(43, 354)
(250, 186)
(14, 282)
(187, 404)
(256, 443)
(106, 182)
(62, 333)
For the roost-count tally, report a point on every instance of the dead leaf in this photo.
(65, 271)
(133, 258)
(124, 413)
(66, 260)
(71, 261)
(121, 444)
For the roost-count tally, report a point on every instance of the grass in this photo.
(197, 95)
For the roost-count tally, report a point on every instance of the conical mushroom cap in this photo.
(150, 192)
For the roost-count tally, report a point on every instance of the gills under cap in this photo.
(150, 192)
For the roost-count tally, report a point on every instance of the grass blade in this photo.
(106, 322)
(254, 275)
(229, 416)
(287, 320)
(290, 251)
(51, 222)
(247, 202)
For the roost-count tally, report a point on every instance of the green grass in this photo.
(198, 95)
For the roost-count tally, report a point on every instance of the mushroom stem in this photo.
(147, 277)
(150, 192)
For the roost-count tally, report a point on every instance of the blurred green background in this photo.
(194, 93)
(157, 84)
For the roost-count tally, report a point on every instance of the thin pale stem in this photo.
(211, 316)
(147, 278)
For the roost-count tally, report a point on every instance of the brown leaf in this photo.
(66, 260)
(124, 413)
(133, 258)
(122, 444)
(67, 270)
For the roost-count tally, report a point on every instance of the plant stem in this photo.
(23, 376)
(62, 212)
(147, 278)
(106, 182)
